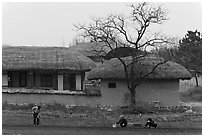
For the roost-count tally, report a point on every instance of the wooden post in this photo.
(60, 81)
(196, 78)
(78, 82)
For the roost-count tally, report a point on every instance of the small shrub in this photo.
(92, 91)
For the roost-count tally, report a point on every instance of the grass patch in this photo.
(140, 107)
(193, 94)
(145, 108)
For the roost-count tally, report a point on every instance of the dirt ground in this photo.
(67, 130)
(98, 123)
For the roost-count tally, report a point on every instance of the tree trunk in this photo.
(132, 97)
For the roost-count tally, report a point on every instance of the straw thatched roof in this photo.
(113, 69)
(90, 49)
(24, 57)
(122, 52)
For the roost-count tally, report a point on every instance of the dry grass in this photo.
(188, 84)
(189, 92)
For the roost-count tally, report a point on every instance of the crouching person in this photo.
(36, 117)
(123, 122)
(150, 123)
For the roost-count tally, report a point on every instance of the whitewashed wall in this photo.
(4, 80)
(165, 91)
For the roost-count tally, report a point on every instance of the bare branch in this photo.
(118, 31)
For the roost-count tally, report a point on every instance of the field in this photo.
(71, 120)
(88, 120)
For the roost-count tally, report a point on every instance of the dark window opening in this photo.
(112, 85)
(17, 78)
(22, 79)
(69, 82)
(46, 80)
(72, 82)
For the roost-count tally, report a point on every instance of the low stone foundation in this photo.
(47, 91)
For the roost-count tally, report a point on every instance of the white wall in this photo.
(4, 80)
(113, 96)
(165, 91)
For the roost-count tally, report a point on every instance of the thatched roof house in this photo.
(44, 67)
(122, 52)
(23, 57)
(94, 50)
(113, 69)
(161, 86)
(90, 48)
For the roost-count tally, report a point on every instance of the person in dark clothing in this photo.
(150, 123)
(123, 122)
(36, 117)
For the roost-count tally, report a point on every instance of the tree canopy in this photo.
(189, 52)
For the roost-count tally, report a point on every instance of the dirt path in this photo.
(68, 130)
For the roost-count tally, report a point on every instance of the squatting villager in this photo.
(36, 117)
(123, 122)
(150, 123)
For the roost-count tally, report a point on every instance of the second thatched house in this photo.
(94, 50)
(44, 67)
(161, 86)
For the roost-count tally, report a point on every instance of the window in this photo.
(22, 79)
(46, 80)
(69, 82)
(112, 85)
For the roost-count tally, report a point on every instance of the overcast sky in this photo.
(51, 24)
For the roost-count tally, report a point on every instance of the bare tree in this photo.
(132, 32)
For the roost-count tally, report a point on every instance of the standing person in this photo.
(36, 119)
(123, 122)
